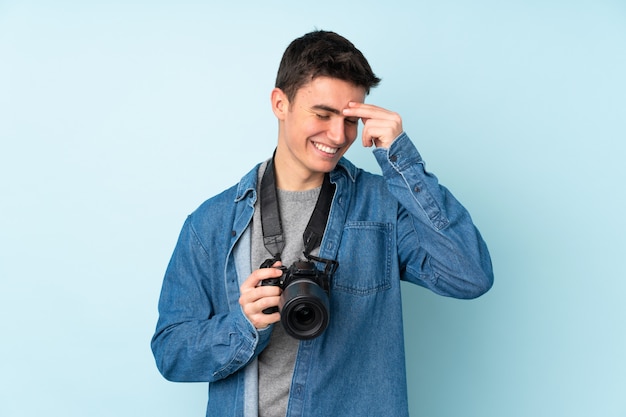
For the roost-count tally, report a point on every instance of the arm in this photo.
(199, 336)
(438, 245)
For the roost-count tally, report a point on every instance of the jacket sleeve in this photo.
(438, 245)
(198, 337)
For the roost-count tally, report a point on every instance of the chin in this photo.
(326, 167)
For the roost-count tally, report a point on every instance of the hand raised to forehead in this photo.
(380, 126)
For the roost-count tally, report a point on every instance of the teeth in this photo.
(324, 148)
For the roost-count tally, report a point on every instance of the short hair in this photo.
(323, 54)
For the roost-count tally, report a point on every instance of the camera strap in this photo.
(270, 216)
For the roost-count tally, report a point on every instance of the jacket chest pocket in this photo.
(364, 258)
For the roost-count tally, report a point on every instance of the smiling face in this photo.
(313, 134)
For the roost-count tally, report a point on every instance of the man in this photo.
(214, 323)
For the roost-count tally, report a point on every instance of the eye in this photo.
(322, 116)
(351, 121)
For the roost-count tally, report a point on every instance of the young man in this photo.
(214, 323)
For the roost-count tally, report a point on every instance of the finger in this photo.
(255, 311)
(381, 132)
(262, 320)
(376, 133)
(367, 111)
(262, 303)
(252, 295)
(259, 275)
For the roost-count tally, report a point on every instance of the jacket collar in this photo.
(345, 166)
(248, 183)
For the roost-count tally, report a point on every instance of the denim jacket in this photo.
(402, 225)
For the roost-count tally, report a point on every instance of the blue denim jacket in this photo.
(402, 225)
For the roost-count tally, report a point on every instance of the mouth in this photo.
(325, 149)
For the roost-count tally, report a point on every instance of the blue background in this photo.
(117, 119)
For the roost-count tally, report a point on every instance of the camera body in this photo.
(304, 305)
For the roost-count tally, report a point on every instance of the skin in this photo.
(314, 132)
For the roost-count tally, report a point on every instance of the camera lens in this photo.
(305, 318)
(304, 309)
(304, 315)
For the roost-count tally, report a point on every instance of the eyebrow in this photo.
(324, 107)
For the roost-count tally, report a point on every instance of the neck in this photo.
(294, 178)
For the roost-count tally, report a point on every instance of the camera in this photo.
(304, 305)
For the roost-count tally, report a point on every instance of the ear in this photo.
(280, 103)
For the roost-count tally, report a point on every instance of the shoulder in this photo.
(224, 204)
(359, 178)
(363, 191)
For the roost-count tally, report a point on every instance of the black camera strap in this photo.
(270, 216)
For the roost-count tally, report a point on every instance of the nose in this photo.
(337, 131)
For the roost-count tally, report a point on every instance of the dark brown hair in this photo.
(322, 53)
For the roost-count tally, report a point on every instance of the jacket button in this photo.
(393, 158)
(233, 233)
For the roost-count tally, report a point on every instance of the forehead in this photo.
(329, 91)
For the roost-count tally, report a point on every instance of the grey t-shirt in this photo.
(276, 362)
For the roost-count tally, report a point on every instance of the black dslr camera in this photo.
(304, 305)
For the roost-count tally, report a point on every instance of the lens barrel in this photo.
(304, 309)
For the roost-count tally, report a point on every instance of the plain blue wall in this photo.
(117, 120)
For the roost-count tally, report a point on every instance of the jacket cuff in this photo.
(401, 154)
(258, 338)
